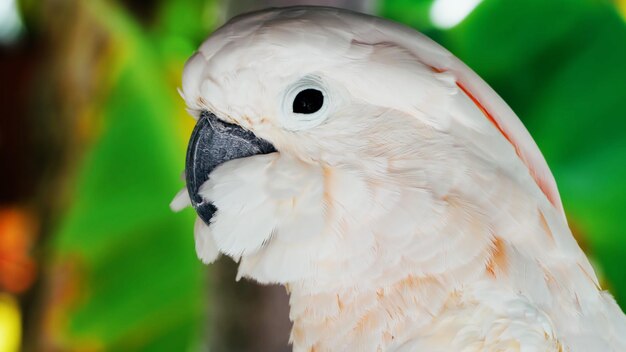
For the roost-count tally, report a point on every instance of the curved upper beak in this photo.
(212, 143)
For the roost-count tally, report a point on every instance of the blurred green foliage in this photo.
(136, 282)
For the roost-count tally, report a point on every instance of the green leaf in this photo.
(141, 285)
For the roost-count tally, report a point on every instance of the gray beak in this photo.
(212, 143)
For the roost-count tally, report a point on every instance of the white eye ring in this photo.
(300, 121)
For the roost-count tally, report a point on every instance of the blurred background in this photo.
(93, 135)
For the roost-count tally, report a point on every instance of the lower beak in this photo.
(212, 143)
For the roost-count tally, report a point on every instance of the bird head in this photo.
(332, 146)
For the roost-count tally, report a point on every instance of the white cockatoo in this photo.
(394, 194)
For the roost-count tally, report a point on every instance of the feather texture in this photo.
(419, 215)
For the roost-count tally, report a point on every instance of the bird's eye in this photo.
(308, 101)
(305, 104)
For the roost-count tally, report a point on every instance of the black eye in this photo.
(308, 101)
